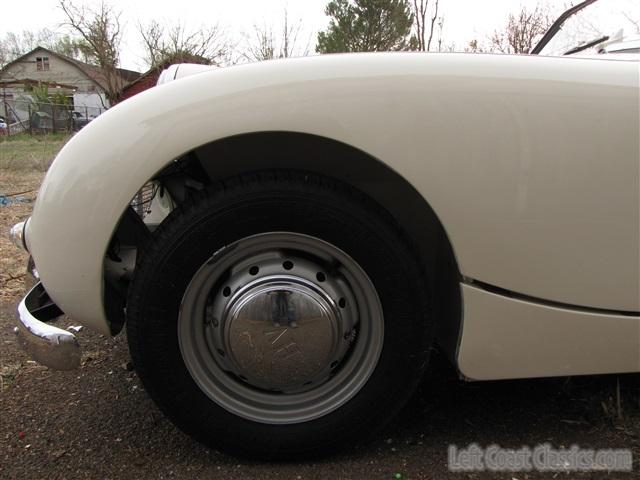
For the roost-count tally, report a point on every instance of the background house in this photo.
(82, 85)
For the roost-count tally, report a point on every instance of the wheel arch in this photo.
(283, 150)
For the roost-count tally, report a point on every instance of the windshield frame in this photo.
(556, 26)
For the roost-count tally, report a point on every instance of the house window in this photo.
(42, 64)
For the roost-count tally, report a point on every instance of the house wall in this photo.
(94, 103)
(140, 85)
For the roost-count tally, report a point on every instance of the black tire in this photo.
(278, 202)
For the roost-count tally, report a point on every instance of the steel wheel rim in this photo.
(272, 286)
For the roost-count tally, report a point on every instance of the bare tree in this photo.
(440, 28)
(162, 42)
(420, 8)
(290, 33)
(521, 31)
(101, 31)
(419, 17)
(152, 39)
(14, 45)
(433, 21)
(260, 46)
(17, 44)
(474, 47)
(264, 44)
(634, 21)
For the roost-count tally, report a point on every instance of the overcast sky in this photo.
(464, 19)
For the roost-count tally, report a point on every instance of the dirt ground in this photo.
(98, 423)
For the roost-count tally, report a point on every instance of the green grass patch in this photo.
(41, 137)
(26, 152)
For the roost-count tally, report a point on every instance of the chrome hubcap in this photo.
(280, 327)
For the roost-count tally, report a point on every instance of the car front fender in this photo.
(530, 163)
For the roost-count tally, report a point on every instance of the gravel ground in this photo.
(98, 423)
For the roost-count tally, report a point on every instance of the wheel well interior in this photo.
(245, 153)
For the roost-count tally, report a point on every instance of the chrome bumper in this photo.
(51, 346)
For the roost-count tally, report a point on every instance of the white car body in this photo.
(530, 164)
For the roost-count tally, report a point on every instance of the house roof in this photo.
(93, 72)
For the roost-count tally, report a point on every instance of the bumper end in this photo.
(51, 346)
